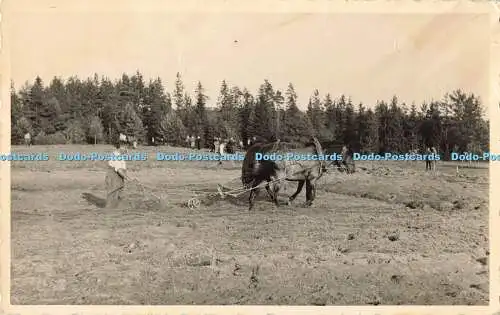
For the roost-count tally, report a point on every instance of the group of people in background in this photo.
(193, 142)
(219, 145)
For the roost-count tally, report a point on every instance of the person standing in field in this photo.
(27, 139)
(216, 145)
(198, 142)
(428, 153)
(222, 149)
(230, 146)
(192, 141)
(433, 162)
(115, 178)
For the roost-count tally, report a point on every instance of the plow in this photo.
(221, 192)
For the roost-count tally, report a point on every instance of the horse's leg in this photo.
(276, 189)
(313, 189)
(253, 194)
(269, 191)
(310, 192)
(297, 192)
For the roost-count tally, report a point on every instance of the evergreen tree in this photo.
(362, 126)
(297, 126)
(188, 114)
(395, 130)
(35, 105)
(130, 122)
(383, 116)
(227, 120)
(201, 124)
(263, 116)
(331, 119)
(172, 129)
(371, 143)
(156, 105)
(315, 114)
(279, 101)
(349, 122)
(179, 99)
(245, 116)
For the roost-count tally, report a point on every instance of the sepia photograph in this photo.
(232, 157)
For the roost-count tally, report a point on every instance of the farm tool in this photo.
(222, 192)
(192, 203)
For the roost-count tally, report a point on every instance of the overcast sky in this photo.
(366, 56)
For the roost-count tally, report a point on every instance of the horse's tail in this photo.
(248, 167)
(252, 168)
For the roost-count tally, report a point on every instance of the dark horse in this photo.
(305, 171)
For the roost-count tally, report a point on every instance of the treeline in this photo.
(97, 109)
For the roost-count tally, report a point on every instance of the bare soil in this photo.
(388, 234)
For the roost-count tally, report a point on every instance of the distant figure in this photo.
(428, 153)
(192, 141)
(252, 141)
(241, 144)
(27, 139)
(414, 152)
(153, 141)
(115, 178)
(187, 141)
(343, 152)
(347, 163)
(230, 146)
(134, 144)
(123, 138)
(198, 143)
(433, 162)
(222, 149)
(249, 143)
(216, 145)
